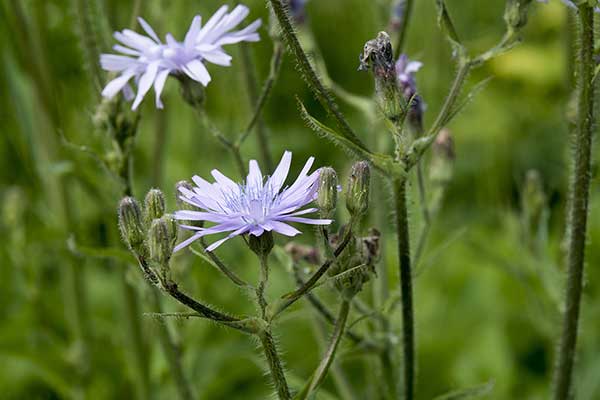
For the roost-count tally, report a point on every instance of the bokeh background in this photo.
(486, 303)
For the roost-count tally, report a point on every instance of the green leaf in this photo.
(468, 393)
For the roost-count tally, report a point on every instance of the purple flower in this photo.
(405, 72)
(149, 61)
(253, 207)
(297, 10)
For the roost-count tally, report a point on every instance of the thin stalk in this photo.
(321, 371)
(228, 144)
(258, 101)
(330, 318)
(277, 374)
(309, 74)
(578, 205)
(449, 103)
(171, 350)
(291, 298)
(262, 284)
(408, 338)
(404, 20)
(342, 384)
(233, 277)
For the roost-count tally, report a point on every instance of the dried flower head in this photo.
(254, 207)
(149, 61)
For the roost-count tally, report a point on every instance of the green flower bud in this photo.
(515, 14)
(357, 196)
(130, 224)
(154, 206)
(192, 92)
(328, 190)
(261, 245)
(379, 57)
(161, 240)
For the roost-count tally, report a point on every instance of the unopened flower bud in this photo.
(442, 163)
(130, 224)
(154, 206)
(261, 245)
(192, 92)
(379, 57)
(515, 14)
(161, 239)
(328, 190)
(357, 196)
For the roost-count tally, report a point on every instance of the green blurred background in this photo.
(486, 304)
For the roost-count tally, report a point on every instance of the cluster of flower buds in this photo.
(150, 234)
(357, 262)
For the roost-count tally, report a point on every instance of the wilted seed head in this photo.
(515, 14)
(161, 240)
(328, 190)
(442, 163)
(130, 224)
(357, 196)
(378, 56)
(192, 92)
(154, 206)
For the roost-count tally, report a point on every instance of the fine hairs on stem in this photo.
(577, 213)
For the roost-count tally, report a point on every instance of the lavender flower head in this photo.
(149, 61)
(405, 73)
(297, 10)
(254, 207)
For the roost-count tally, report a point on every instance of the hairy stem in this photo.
(309, 74)
(262, 285)
(277, 374)
(578, 205)
(408, 339)
(291, 298)
(321, 371)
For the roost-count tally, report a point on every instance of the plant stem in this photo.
(578, 205)
(309, 74)
(228, 144)
(291, 298)
(171, 350)
(258, 101)
(262, 284)
(449, 103)
(321, 371)
(266, 338)
(405, 19)
(405, 286)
